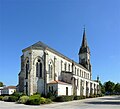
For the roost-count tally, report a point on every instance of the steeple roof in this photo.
(84, 41)
(84, 47)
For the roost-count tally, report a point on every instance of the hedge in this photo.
(64, 98)
(51, 96)
(77, 97)
(10, 98)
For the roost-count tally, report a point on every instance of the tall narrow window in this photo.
(69, 67)
(77, 82)
(88, 76)
(49, 89)
(66, 90)
(52, 89)
(80, 72)
(61, 65)
(39, 69)
(65, 66)
(84, 74)
(27, 68)
(75, 70)
(50, 70)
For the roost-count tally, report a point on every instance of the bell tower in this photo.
(84, 53)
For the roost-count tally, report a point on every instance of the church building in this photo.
(45, 70)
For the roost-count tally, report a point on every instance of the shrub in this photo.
(91, 96)
(42, 100)
(12, 98)
(5, 98)
(47, 101)
(1, 97)
(17, 94)
(37, 94)
(64, 98)
(77, 97)
(83, 97)
(34, 100)
(100, 95)
(51, 96)
(95, 95)
(23, 99)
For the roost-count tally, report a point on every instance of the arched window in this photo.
(39, 69)
(27, 68)
(50, 70)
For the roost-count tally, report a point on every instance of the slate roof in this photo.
(84, 47)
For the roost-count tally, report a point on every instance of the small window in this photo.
(66, 90)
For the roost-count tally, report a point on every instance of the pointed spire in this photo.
(84, 41)
(84, 47)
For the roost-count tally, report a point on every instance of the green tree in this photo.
(109, 87)
(1, 84)
(117, 88)
(102, 87)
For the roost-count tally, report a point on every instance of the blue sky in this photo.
(59, 24)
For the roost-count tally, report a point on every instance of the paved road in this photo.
(107, 102)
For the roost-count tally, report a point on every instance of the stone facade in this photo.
(44, 70)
